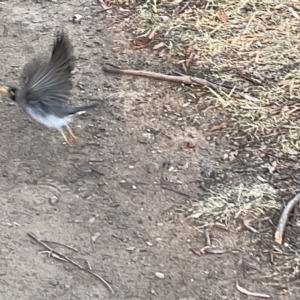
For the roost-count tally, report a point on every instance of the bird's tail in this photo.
(81, 109)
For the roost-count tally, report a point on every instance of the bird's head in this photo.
(10, 90)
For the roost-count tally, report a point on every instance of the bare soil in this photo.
(122, 197)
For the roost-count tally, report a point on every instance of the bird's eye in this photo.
(11, 93)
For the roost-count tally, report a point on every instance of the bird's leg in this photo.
(72, 135)
(64, 136)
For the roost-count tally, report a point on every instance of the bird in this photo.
(47, 89)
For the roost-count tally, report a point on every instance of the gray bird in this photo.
(47, 89)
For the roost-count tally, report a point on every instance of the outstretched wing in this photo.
(51, 82)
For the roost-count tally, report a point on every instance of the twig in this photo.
(207, 238)
(284, 218)
(180, 9)
(70, 261)
(246, 292)
(51, 254)
(175, 191)
(68, 247)
(276, 156)
(104, 6)
(110, 68)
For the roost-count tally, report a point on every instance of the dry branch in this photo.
(184, 79)
(284, 218)
(61, 256)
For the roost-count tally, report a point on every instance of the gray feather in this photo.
(50, 82)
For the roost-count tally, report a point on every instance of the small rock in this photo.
(152, 167)
(84, 173)
(159, 275)
(53, 200)
(38, 200)
(171, 169)
(134, 187)
(149, 244)
(53, 282)
(76, 18)
(209, 173)
(92, 220)
(130, 248)
(95, 236)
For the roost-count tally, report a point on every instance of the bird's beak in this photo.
(3, 89)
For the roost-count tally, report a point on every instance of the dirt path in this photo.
(128, 184)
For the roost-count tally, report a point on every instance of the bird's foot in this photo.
(73, 137)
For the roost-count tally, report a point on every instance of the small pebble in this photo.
(152, 167)
(134, 187)
(149, 244)
(53, 200)
(159, 275)
(130, 248)
(84, 173)
(92, 220)
(53, 282)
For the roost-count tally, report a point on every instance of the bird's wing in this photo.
(51, 82)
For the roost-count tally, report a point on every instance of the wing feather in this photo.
(50, 82)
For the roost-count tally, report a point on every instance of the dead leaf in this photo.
(141, 43)
(159, 45)
(188, 51)
(222, 16)
(218, 127)
(116, 4)
(244, 291)
(190, 145)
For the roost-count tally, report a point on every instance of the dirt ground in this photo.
(121, 198)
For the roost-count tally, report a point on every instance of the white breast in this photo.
(50, 121)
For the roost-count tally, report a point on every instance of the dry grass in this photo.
(230, 203)
(252, 46)
(256, 50)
